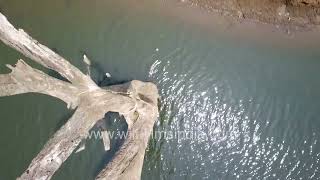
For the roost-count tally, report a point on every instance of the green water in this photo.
(258, 101)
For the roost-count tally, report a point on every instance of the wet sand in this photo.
(291, 13)
(244, 29)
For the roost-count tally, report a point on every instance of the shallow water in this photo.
(250, 107)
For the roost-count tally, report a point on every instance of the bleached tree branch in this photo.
(22, 42)
(136, 101)
(25, 79)
(92, 107)
(128, 161)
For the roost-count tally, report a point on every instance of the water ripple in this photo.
(238, 144)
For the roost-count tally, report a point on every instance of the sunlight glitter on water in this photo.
(237, 146)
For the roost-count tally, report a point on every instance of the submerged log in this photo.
(135, 100)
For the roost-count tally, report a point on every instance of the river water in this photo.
(233, 105)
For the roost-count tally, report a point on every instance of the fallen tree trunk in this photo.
(136, 101)
(128, 161)
(22, 42)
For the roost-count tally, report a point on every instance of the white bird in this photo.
(86, 60)
(108, 75)
(88, 63)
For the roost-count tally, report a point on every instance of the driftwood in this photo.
(135, 100)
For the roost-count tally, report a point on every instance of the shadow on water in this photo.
(257, 103)
(115, 125)
(94, 152)
(98, 73)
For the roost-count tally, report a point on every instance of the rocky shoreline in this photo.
(292, 14)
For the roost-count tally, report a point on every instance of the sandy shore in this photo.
(243, 30)
(292, 14)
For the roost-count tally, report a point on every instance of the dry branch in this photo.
(92, 108)
(136, 101)
(22, 42)
(25, 79)
(128, 161)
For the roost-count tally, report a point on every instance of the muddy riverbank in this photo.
(293, 14)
